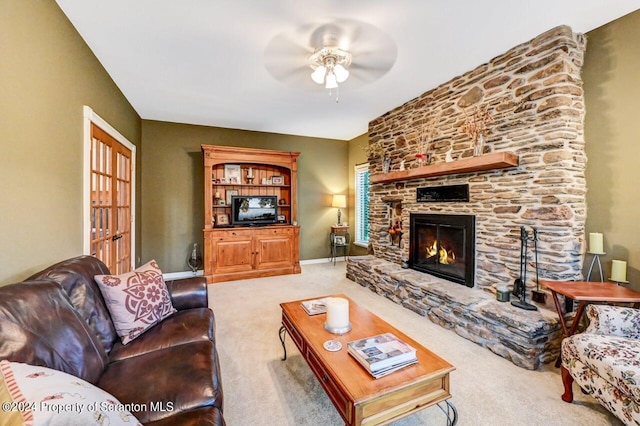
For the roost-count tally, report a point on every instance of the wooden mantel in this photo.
(493, 161)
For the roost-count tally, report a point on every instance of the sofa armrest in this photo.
(187, 293)
(614, 321)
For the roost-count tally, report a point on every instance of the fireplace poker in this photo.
(518, 285)
(522, 303)
(537, 295)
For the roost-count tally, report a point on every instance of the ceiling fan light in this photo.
(332, 83)
(341, 73)
(318, 74)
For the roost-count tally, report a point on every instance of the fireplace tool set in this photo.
(519, 285)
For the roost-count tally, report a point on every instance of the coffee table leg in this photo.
(451, 412)
(282, 333)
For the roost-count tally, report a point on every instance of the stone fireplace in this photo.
(443, 245)
(530, 173)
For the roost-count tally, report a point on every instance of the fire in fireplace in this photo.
(443, 245)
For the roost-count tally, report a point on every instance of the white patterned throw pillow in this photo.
(136, 300)
(34, 396)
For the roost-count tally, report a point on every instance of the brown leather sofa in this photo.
(58, 319)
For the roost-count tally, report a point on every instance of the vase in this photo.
(478, 149)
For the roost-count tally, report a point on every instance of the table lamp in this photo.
(339, 201)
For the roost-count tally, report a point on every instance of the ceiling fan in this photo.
(329, 53)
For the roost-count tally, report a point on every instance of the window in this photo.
(362, 205)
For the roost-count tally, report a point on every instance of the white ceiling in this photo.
(202, 61)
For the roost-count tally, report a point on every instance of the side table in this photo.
(585, 292)
(339, 240)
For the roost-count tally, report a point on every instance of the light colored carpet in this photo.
(260, 389)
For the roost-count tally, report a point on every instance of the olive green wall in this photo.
(172, 186)
(357, 155)
(612, 129)
(47, 74)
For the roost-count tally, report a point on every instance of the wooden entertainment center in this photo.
(233, 252)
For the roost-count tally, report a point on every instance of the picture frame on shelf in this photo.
(222, 219)
(232, 173)
(281, 218)
(277, 180)
(230, 193)
(339, 240)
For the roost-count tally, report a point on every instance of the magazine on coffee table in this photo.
(382, 354)
(315, 306)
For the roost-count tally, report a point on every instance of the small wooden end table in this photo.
(585, 292)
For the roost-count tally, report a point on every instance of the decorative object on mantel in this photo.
(619, 272)
(402, 165)
(424, 152)
(596, 248)
(386, 164)
(475, 126)
(447, 156)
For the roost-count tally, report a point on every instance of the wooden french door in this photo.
(110, 210)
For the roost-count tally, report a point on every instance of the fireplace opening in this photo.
(443, 245)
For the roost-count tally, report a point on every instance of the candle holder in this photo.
(596, 259)
(337, 330)
(618, 282)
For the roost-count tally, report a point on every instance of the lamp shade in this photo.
(339, 200)
(318, 74)
(331, 82)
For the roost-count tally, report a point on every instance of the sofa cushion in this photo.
(613, 358)
(192, 325)
(76, 278)
(137, 300)
(51, 397)
(39, 326)
(176, 379)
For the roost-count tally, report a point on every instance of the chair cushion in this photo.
(613, 358)
(43, 396)
(188, 326)
(137, 300)
(177, 379)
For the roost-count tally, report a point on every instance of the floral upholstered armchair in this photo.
(605, 360)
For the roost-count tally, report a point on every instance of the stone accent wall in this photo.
(534, 92)
(526, 338)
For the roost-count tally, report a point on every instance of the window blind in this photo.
(362, 204)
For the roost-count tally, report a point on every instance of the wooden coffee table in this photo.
(359, 398)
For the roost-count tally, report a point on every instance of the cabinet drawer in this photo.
(295, 336)
(341, 402)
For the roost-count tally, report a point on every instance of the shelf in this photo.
(250, 185)
(493, 161)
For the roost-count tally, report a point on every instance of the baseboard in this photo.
(321, 260)
(188, 274)
(179, 275)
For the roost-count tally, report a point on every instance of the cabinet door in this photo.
(233, 253)
(274, 249)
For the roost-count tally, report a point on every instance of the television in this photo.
(253, 210)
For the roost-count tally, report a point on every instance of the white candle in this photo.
(595, 243)
(217, 195)
(618, 271)
(337, 312)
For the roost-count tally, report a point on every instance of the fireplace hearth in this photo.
(443, 245)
